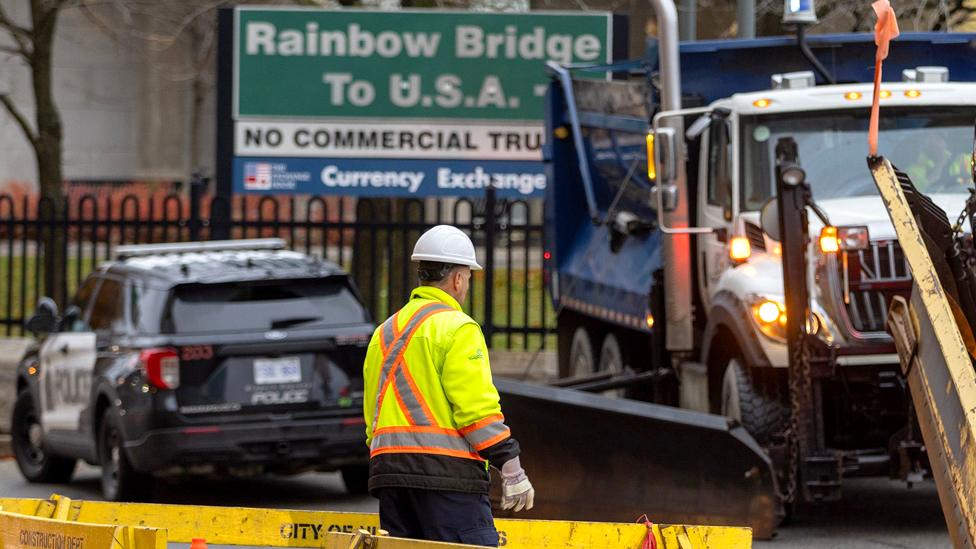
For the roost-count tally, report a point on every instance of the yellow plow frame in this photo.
(936, 363)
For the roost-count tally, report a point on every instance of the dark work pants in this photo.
(435, 515)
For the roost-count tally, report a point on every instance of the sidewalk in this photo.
(535, 366)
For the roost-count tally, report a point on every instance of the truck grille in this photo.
(755, 236)
(874, 276)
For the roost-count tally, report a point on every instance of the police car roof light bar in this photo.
(140, 250)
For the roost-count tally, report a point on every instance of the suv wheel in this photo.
(754, 401)
(120, 482)
(356, 479)
(28, 445)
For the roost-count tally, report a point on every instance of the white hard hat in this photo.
(445, 244)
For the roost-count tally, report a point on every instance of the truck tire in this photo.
(120, 482)
(581, 361)
(27, 439)
(753, 401)
(612, 360)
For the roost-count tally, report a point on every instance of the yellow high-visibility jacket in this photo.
(432, 414)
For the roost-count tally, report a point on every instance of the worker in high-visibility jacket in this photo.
(433, 420)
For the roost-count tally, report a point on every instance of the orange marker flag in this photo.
(885, 31)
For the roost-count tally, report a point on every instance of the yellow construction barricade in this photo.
(293, 528)
(31, 532)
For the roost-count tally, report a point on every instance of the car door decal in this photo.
(67, 366)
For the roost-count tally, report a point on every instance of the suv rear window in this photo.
(264, 305)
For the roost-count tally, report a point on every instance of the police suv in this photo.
(228, 358)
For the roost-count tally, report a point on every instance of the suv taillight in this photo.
(162, 367)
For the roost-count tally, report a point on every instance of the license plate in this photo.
(268, 371)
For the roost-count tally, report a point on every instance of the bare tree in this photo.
(32, 42)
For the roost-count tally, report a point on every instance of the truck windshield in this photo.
(265, 305)
(932, 145)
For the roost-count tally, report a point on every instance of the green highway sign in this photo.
(393, 103)
(302, 64)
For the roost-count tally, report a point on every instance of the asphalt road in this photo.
(875, 513)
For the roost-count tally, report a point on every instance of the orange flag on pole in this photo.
(884, 32)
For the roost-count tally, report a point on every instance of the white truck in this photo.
(669, 269)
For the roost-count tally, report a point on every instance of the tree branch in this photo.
(19, 118)
(13, 50)
(21, 35)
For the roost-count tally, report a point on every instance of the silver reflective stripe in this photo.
(421, 440)
(387, 332)
(393, 349)
(485, 433)
(408, 398)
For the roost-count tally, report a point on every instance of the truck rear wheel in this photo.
(581, 360)
(753, 401)
(612, 360)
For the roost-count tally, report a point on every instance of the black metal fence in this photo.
(371, 238)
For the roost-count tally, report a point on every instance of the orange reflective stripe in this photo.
(424, 450)
(408, 337)
(481, 423)
(417, 394)
(400, 341)
(493, 440)
(417, 429)
(486, 432)
(400, 403)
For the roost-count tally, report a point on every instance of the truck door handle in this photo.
(64, 349)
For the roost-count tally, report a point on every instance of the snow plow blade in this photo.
(928, 333)
(592, 457)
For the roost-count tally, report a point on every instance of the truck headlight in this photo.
(769, 314)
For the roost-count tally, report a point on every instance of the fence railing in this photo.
(370, 238)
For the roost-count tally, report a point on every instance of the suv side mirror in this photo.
(45, 318)
(769, 219)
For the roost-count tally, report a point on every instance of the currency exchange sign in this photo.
(401, 103)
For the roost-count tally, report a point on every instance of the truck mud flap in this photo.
(592, 457)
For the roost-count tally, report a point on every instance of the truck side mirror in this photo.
(45, 318)
(664, 198)
(769, 219)
(665, 155)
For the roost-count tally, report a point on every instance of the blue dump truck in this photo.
(668, 290)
